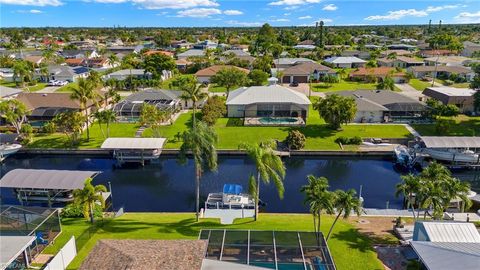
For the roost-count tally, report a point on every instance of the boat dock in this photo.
(134, 150)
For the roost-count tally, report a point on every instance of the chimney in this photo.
(272, 81)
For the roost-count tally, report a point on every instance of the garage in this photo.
(298, 79)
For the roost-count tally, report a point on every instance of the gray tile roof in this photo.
(393, 101)
(128, 72)
(344, 60)
(192, 53)
(154, 94)
(291, 61)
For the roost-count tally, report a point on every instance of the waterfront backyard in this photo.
(349, 248)
(231, 133)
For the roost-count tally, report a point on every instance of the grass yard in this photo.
(342, 86)
(350, 249)
(231, 132)
(59, 140)
(34, 88)
(419, 84)
(219, 89)
(67, 88)
(462, 125)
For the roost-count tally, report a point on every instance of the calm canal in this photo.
(167, 186)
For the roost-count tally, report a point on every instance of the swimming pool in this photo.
(277, 120)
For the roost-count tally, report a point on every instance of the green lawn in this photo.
(59, 140)
(462, 126)
(419, 84)
(231, 132)
(33, 88)
(342, 86)
(219, 89)
(67, 88)
(349, 248)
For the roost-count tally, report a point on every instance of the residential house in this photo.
(397, 53)
(181, 44)
(308, 45)
(9, 92)
(80, 54)
(400, 62)
(432, 53)
(6, 74)
(62, 73)
(101, 63)
(470, 49)
(373, 47)
(377, 73)
(285, 62)
(239, 54)
(44, 107)
(442, 71)
(461, 97)
(130, 108)
(449, 61)
(206, 44)
(182, 64)
(121, 49)
(34, 59)
(303, 72)
(152, 52)
(267, 101)
(241, 47)
(191, 53)
(346, 62)
(205, 75)
(383, 106)
(123, 74)
(406, 47)
(355, 53)
(75, 62)
(445, 245)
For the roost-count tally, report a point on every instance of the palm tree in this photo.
(195, 94)
(269, 167)
(112, 59)
(22, 72)
(319, 200)
(342, 73)
(84, 93)
(44, 72)
(409, 188)
(345, 202)
(88, 197)
(105, 117)
(200, 141)
(387, 83)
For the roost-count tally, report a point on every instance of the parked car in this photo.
(57, 83)
(294, 84)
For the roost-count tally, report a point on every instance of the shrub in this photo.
(73, 210)
(295, 140)
(213, 109)
(49, 128)
(346, 140)
(26, 133)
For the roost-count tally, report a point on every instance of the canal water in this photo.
(167, 186)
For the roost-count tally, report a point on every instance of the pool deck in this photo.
(255, 121)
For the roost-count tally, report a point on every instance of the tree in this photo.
(112, 60)
(319, 200)
(105, 117)
(213, 109)
(295, 140)
(14, 112)
(195, 94)
(345, 202)
(84, 93)
(336, 110)
(269, 167)
(182, 82)
(22, 71)
(276, 50)
(476, 101)
(257, 77)
(163, 38)
(229, 77)
(71, 123)
(200, 141)
(408, 188)
(387, 83)
(475, 83)
(95, 79)
(89, 197)
(265, 38)
(152, 117)
(263, 63)
(157, 63)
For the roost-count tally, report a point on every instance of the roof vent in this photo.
(44, 95)
(272, 81)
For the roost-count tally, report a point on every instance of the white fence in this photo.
(64, 257)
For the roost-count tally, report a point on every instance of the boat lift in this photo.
(134, 150)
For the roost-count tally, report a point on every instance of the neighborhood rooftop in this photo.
(266, 94)
(45, 179)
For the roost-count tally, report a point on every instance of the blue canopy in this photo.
(232, 189)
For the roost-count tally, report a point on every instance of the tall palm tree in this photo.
(319, 200)
(345, 203)
(88, 197)
(409, 188)
(193, 93)
(269, 167)
(22, 72)
(84, 93)
(112, 60)
(200, 141)
(44, 72)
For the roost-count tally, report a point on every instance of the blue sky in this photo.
(166, 13)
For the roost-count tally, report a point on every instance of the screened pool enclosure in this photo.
(270, 249)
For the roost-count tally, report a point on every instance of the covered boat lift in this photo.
(134, 149)
(460, 150)
(46, 185)
(14, 251)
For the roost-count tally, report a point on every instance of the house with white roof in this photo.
(346, 62)
(470, 48)
(125, 73)
(191, 53)
(267, 101)
(460, 97)
(286, 62)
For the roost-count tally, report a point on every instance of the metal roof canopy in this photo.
(451, 142)
(11, 247)
(46, 179)
(445, 256)
(133, 143)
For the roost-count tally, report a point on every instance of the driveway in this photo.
(409, 91)
(304, 88)
(48, 89)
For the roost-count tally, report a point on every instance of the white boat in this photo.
(453, 155)
(231, 198)
(403, 155)
(8, 149)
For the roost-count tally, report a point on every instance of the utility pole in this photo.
(429, 26)
(321, 34)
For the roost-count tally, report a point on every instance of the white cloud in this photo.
(330, 7)
(287, 14)
(468, 17)
(39, 3)
(199, 12)
(280, 20)
(110, 1)
(291, 7)
(293, 2)
(154, 4)
(244, 24)
(232, 12)
(35, 11)
(304, 17)
(325, 20)
(399, 14)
